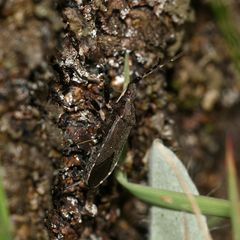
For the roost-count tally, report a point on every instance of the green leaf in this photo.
(5, 226)
(233, 189)
(174, 200)
(126, 71)
(228, 28)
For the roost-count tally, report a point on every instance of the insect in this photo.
(103, 160)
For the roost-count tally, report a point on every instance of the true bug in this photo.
(104, 159)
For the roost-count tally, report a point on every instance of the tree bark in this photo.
(61, 66)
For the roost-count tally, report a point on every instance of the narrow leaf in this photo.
(232, 188)
(228, 28)
(126, 71)
(5, 226)
(174, 200)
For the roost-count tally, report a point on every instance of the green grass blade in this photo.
(5, 226)
(126, 71)
(174, 200)
(233, 189)
(227, 26)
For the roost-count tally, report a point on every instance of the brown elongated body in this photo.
(104, 159)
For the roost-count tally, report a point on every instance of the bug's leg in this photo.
(95, 104)
(107, 92)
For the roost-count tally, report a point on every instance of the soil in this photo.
(61, 65)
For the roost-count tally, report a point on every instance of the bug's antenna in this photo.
(156, 67)
(161, 65)
(73, 185)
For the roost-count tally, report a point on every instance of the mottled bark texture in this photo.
(61, 67)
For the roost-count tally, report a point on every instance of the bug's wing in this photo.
(103, 162)
(100, 172)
